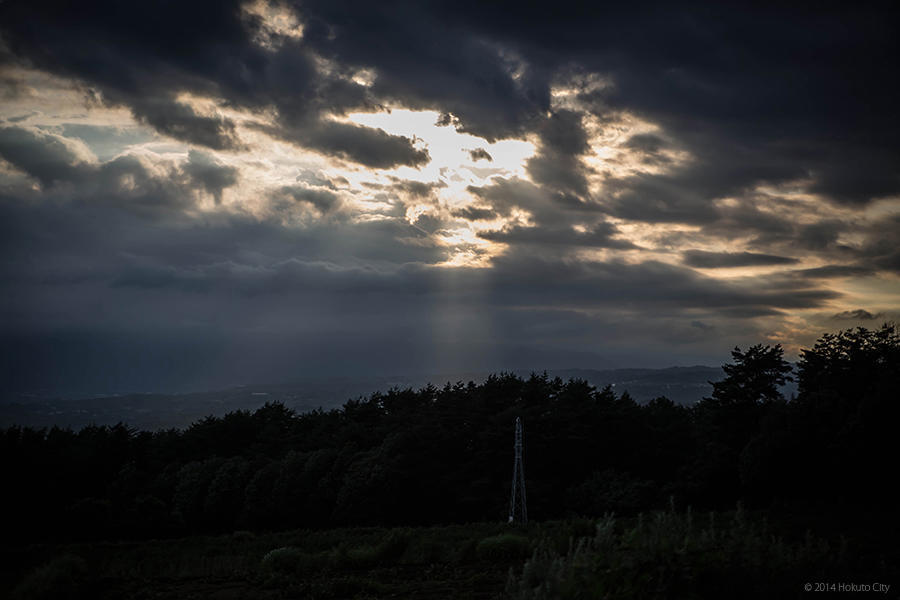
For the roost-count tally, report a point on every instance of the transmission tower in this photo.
(518, 509)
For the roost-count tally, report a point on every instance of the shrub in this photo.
(63, 578)
(293, 562)
(243, 536)
(666, 554)
(506, 546)
(387, 551)
(393, 545)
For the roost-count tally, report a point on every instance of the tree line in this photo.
(444, 454)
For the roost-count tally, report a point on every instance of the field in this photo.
(657, 554)
(465, 561)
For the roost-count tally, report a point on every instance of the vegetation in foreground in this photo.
(654, 555)
(667, 554)
(414, 458)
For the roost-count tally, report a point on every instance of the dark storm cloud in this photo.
(649, 147)
(127, 182)
(182, 122)
(547, 208)
(209, 173)
(138, 57)
(882, 247)
(747, 218)
(560, 223)
(557, 164)
(46, 157)
(432, 63)
(189, 257)
(685, 194)
(856, 315)
(750, 312)
(889, 261)
(756, 93)
(475, 213)
(145, 58)
(659, 199)
(248, 292)
(417, 189)
(586, 284)
(599, 236)
(323, 200)
(831, 271)
(364, 145)
(480, 154)
(718, 260)
(739, 97)
(821, 235)
(646, 143)
(791, 92)
(563, 133)
(316, 178)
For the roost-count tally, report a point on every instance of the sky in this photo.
(196, 194)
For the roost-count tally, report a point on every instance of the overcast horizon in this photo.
(195, 195)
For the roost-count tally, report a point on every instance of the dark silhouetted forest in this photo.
(444, 455)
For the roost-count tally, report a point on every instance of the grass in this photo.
(63, 578)
(506, 546)
(669, 554)
(338, 563)
(658, 555)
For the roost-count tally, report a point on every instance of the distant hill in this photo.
(683, 385)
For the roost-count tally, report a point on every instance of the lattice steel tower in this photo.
(518, 509)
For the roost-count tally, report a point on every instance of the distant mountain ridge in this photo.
(683, 385)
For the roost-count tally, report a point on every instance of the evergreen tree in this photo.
(754, 377)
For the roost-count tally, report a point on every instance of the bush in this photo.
(392, 546)
(293, 562)
(506, 546)
(667, 554)
(63, 578)
(243, 536)
(388, 551)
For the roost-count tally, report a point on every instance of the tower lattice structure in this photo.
(518, 508)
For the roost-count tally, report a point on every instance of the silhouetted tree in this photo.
(754, 377)
(443, 454)
(729, 419)
(849, 410)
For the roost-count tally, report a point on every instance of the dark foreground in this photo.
(663, 554)
(820, 462)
